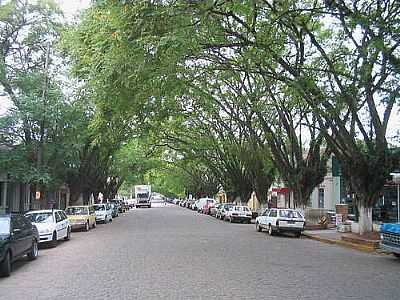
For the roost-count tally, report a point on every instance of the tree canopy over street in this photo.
(200, 96)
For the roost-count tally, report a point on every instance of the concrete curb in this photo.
(341, 243)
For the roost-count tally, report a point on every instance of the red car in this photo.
(207, 207)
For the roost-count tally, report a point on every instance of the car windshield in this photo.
(287, 213)
(4, 226)
(99, 207)
(227, 206)
(42, 217)
(76, 211)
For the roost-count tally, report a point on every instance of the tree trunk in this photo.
(365, 218)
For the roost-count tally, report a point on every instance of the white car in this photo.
(277, 220)
(52, 224)
(238, 213)
(103, 212)
(202, 202)
(222, 210)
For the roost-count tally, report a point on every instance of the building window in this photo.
(321, 198)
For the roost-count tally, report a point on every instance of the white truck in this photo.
(143, 195)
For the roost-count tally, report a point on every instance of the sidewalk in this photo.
(368, 243)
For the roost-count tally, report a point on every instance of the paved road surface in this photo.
(173, 253)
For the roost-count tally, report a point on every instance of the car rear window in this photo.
(290, 214)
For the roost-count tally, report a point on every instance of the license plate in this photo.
(291, 222)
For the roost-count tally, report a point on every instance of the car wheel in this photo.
(258, 228)
(397, 255)
(105, 220)
(231, 219)
(298, 234)
(270, 230)
(94, 224)
(68, 237)
(5, 266)
(33, 254)
(87, 227)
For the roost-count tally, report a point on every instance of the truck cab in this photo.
(390, 238)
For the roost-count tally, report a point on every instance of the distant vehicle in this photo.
(81, 217)
(390, 238)
(221, 211)
(114, 209)
(277, 220)
(53, 225)
(238, 213)
(214, 209)
(143, 195)
(207, 208)
(130, 202)
(103, 212)
(204, 201)
(18, 237)
(120, 205)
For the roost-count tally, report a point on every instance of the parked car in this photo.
(53, 225)
(214, 209)
(81, 217)
(18, 237)
(220, 214)
(202, 202)
(114, 209)
(277, 220)
(390, 238)
(103, 212)
(207, 208)
(119, 204)
(238, 213)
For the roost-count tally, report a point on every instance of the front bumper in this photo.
(390, 247)
(101, 218)
(45, 237)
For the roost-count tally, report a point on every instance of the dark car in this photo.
(18, 237)
(115, 210)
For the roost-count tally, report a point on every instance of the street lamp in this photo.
(396, 180)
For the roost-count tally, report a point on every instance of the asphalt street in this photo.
(174, 253)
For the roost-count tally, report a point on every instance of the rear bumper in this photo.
(241, 218)
(289, 229)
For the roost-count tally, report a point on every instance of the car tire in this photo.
(297, 234)
(231, 219)
(5, 265)
(94, 224)
(54, 241)
(397, 255)
(105, 220)
(87, 227)
(33, 253)
(270, 230)
(258, 228)
(68, 237)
